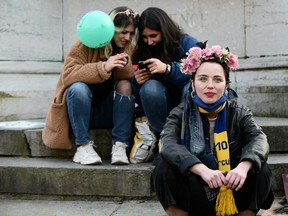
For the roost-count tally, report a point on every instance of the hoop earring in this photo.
(193, 93)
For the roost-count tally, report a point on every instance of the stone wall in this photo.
(37, 34)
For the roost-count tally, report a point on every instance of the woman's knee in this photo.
(152, 89)
(124, 87)
(79, 90)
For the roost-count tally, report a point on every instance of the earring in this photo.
(193, 94)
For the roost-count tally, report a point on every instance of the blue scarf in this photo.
(192, 135)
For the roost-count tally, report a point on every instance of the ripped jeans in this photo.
(115, 111)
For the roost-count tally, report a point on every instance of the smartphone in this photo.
(141, 65)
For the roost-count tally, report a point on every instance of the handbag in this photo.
(144, 142)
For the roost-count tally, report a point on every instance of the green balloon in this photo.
(95, 29)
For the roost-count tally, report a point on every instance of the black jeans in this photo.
(187, 191)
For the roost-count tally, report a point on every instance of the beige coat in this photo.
(82, 64)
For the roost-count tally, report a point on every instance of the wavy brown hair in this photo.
(122, 17)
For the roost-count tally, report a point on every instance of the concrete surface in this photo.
(45, 30)
(39, 185)
(44, 176)
(37, 40)
(16, 207)
(25, 155)
(77, 208)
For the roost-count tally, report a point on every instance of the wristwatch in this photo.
(168, 69)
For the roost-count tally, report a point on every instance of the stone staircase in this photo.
(28, 167)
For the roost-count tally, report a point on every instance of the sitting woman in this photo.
(213, 156)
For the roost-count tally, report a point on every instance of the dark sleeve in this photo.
(256, 147)
(176, 76)
(170, 142)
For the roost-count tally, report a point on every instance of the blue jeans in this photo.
(155, 102)
(115, 111)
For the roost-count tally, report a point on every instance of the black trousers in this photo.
(187, 191)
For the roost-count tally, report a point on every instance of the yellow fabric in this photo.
(201, 110)
(225, 203)
(145, 142)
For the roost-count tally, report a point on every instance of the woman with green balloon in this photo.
(94, 89)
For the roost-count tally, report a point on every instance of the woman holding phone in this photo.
(158, 82)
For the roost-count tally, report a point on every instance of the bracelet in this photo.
(103, 65)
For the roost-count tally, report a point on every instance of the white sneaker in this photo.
(119, 154)
(86, 154)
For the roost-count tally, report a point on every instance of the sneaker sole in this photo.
(119, 163)
(87, 162)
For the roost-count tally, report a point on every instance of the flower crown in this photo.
(197, 55)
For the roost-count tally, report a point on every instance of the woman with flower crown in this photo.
(94, 91)
(213, 156)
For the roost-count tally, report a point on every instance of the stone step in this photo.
(276, 131)
(28, 166)
(24, 138)
(62, 177)
(14, 108)
(27, 88)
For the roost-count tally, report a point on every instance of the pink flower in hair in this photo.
(232, 61)
(217, 50)
(194, 52)
(197, 55)
(206, 54)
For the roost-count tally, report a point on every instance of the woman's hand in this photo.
(142, 75)
(155, 65)
(116, 61)
(236, 177)
(214, 178)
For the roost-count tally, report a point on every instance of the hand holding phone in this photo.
(142, 76)
(142, 65)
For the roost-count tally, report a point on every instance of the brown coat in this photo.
(82, 64)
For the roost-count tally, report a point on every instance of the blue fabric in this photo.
(192, 135)
(192, 127)
(220, 124)
(209, 107)
(114, 112)
(209, 160)
(157, 96)
(155, 102)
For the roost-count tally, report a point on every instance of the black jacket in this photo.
(246, 139)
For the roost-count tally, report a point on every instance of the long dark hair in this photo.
(158, 20)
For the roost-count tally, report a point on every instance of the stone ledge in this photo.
(55, 67)
(276, 131)
(30, 67)
(63, 177)
(269, 62)
(24, 138)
